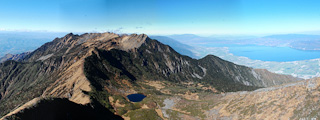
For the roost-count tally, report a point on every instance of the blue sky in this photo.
(162, 17)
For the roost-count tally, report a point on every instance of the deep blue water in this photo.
(267, 53)
(136, 97)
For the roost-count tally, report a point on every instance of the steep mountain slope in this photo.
(103, 66)
(154, 61)
(20, 82)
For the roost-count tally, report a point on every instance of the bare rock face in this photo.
(133, 41)
(93, 66)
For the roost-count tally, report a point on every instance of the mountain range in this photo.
(295, 41)
(94, 72)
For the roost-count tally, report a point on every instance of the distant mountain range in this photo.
(296, 41)
(96, 71)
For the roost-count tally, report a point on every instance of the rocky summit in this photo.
(90, 76)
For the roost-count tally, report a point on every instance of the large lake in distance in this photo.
(267, 53)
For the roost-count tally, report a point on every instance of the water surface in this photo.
(136, 97)
(268, 53)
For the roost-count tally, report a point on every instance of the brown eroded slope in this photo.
(298, 100)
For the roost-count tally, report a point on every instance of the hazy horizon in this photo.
(61, 34)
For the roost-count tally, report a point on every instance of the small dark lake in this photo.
(136, 97)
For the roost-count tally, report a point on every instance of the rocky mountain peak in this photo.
(69, 34)
(70, 42)
(128, 42)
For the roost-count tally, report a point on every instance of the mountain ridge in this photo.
(84, 67)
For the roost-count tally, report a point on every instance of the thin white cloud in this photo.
(117, 30)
